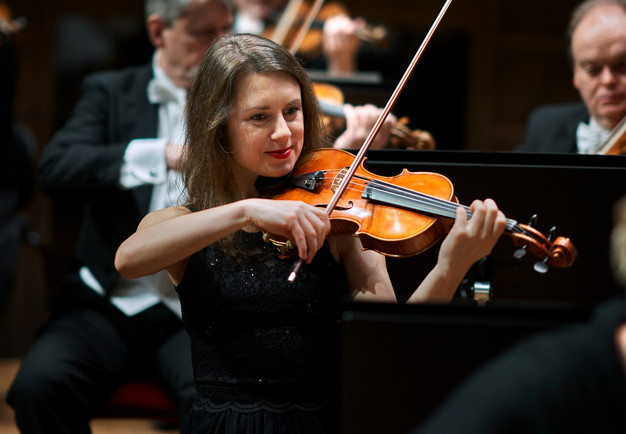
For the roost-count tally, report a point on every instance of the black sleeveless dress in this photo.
(265, 351)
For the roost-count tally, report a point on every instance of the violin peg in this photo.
(541, 266)
(552, 234)
(520, 253)
(533, 220)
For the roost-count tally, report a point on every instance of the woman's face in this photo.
(265, 133)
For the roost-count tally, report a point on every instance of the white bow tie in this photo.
(161, 92)
(589, 139)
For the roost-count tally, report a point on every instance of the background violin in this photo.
(402, 215)
(8, 24)
(331, 101)
(303, 35)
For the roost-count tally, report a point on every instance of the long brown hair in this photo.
(205, 166)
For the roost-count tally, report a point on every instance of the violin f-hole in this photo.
(340, 208)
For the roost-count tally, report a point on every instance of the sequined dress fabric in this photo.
(265, 351)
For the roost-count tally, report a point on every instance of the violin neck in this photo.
(401, 197)
(330, 109)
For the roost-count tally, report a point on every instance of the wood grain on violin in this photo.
(401, 215)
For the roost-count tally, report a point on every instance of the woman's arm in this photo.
(366, 270)
(165, 239)
(466, 243)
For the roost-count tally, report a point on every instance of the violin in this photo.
(331, 100)
(300, 28)
(398, 216)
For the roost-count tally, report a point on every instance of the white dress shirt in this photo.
(244, 23)
(590, 137)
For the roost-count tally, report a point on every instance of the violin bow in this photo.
(286, 21)
(377, 126)
(295, 44)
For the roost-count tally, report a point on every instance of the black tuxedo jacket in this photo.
(552, 128)
(84, 159)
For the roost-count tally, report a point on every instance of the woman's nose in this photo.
(281, 129)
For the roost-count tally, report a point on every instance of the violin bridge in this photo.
(337, 181)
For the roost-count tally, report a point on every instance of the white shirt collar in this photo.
(161, 89)
(589, 137)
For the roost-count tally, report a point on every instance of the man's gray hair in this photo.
(170, 10)
(579, 13)
(583, 9)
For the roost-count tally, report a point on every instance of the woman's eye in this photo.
(292, 111)
(258, 117)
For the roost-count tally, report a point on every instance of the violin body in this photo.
(387, 229)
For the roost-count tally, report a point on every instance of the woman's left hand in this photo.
(471, 239)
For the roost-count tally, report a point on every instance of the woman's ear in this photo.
(156, 25)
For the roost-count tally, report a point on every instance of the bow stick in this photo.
(295, 45)
(286, 21)
(381, 119)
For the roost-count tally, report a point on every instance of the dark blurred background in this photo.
(489, 64)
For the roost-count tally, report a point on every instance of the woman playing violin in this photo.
(263, 348)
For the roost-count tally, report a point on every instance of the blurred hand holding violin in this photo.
(357, 121)
(8, 24)
(312, 29)
(341, 43)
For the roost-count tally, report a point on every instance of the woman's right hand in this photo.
(305, 225)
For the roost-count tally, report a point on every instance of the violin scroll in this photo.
(402, 137)
(558, 252)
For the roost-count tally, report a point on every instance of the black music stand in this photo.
(399, 362)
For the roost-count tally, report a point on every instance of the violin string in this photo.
(448, 208)
(434, 205)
